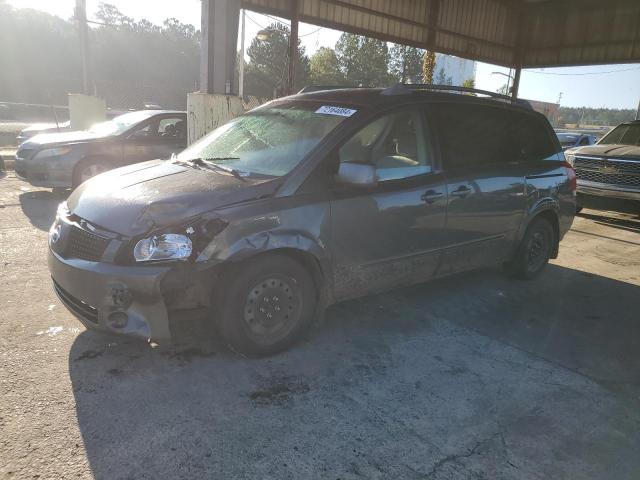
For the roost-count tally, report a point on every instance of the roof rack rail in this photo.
(407, 88)
(318, 88)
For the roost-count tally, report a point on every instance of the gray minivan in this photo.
(310, 200)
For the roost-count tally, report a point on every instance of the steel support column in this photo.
(516, 83)
(293, 48)
(519, 51)
(219, 40)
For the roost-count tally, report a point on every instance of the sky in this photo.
(610, 86)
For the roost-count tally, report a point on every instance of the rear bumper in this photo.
(608, 191)
(94, 292)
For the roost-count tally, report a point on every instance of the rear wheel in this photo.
(87, 169)
(267, 304)
(534, 251)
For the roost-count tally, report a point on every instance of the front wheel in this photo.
(267, 304)
(87, 169)
(534, 251)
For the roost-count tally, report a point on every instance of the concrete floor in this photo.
(475, 376)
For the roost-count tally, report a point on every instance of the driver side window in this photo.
(394, 144)
(144, 131)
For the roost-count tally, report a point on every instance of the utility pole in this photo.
(241, 66)
(83, 30)
(638, 111)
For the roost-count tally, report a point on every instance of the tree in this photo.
(324, 68)
(504, 90)
(405, 63)
(428, 66)
(469, 83)
(267, 69)
(363, 60)
(442, 78)
(133, 62)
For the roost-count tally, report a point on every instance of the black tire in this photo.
(267, 303)
(99, 165)
(534, 251)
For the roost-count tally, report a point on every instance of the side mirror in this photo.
(357, 174)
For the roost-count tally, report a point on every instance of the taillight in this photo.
(571, 173)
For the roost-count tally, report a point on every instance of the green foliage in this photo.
(40, 57)
(405, 63)
(442, 79)
(325, 69)
(469, 83)
(504, 90)
(594, 116)
(132, 62)
(428, 66)
(363, 61)
(267, 69)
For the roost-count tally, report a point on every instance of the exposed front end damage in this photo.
(149, 302)
(113, 298)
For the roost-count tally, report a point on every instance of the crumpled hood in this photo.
(138, 198)
(609, 150)
(44, 139)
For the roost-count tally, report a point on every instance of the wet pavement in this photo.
(475, 376)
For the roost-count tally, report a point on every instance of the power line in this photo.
(584, 73)
(249, 17)
(279, 21)
(310, 33)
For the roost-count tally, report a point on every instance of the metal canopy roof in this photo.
(514, 33)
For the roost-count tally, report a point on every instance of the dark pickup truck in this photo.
(611, 168)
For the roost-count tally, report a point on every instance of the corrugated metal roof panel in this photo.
(551, 32)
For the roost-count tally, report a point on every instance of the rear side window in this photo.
(532, 137)
(473, 135)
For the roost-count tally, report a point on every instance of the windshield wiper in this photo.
(210, 163)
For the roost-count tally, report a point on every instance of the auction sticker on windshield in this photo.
(340, 111)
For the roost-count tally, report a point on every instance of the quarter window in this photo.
(394, 144)
(474, 135)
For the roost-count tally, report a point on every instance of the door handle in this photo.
(462, 191)
(431, 196)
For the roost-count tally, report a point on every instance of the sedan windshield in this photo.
(270, 140)
(625, 134)
(119, 124)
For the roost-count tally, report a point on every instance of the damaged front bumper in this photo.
(113, 298)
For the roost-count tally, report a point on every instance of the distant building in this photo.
(548, 109)
(452, 70)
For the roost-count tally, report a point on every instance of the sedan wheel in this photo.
(91, 170)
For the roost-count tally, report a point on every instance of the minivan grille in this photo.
(85, 245)
(610, 172)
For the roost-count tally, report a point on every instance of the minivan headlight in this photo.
(168, 246)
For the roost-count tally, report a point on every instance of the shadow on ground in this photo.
(474, 376)
(40, 207)
(624, 223)
(611, 204)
